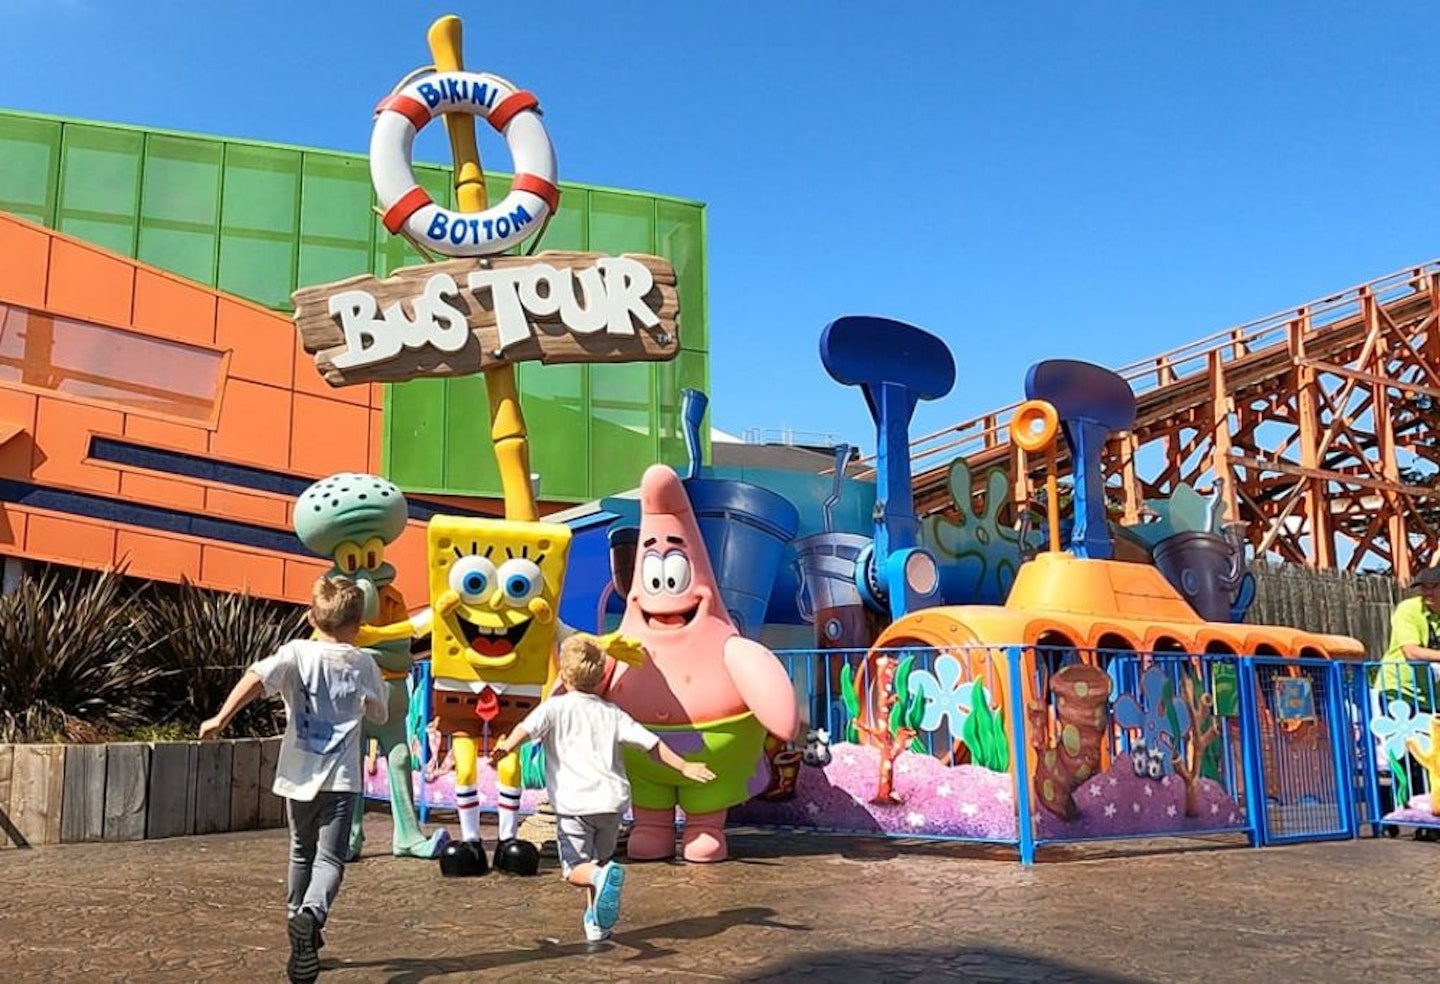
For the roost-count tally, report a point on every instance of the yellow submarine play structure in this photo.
(1084, 599)
(1098, 701)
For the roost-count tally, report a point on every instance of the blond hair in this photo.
(582, 662)
(336, 604)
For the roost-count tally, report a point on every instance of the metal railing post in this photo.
(1251, 754)
(1020, 763)
(1342, 747)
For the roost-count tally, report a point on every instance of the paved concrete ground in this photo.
(794, 909)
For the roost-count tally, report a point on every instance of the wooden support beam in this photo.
(1220, 452)
(1317, 508)
(1340, 478)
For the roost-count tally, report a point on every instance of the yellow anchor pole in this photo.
(507, 421)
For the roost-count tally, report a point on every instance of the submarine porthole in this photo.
(1053, 652)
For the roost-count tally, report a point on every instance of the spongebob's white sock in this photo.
(508, 801)
(467, 804)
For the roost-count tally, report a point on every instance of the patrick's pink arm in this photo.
(763, 685)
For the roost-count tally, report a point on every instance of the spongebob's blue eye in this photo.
(472, 578)
(521, 580)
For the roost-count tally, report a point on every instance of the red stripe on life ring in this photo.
(412, 109)
(514, 103)
(405, 206)
(538, 187)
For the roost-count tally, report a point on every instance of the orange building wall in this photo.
(273, 412)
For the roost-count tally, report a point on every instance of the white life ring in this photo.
(534, 194)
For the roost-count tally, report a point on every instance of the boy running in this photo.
(328, 686)
(585, 778)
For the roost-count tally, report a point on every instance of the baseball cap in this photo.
(1428, 577)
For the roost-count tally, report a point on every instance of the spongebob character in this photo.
(351, 518)
(494, 589)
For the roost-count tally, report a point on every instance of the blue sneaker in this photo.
(593, 932)
(608, 882)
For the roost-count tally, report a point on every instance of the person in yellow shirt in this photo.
(1406, 674)
(1414, 638)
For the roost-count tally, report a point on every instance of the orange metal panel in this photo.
(27, 257)
(172, 493)
(408, 556)
(307, 380)
(233, 569)
(377, 441)
(16, 454)
(163, 434)
(62, 442)
(12, 529)
(173, 308)
(248, 507)
(165, 558)
(88, 283)
(300, 577)
(262, 343)
(69, 541)
(254, 425)
(327, 436)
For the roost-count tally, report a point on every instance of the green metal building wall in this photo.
(259, 220)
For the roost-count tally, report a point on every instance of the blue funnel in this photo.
(745, 528)
(896, 365)
(1091, 402)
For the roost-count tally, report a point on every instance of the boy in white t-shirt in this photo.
(328, 686)
(585, 778)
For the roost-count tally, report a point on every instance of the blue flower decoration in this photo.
(945, 695)
(1401, 723)
(1161, 719)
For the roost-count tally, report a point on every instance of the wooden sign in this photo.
(466, 315)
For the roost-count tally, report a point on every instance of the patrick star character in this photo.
(710, 693)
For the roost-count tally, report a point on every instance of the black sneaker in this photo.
(304, 964)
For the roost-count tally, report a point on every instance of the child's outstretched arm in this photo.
(694, 771)
(247, 689)
(508, 744)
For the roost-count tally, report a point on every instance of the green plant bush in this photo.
(87, 657)
(210, 638)
(77, 657)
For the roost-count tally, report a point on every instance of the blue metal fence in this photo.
(1397, 733)
(1031, 746)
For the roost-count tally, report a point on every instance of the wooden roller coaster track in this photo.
(1321, 420)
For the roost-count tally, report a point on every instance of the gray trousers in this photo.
(319, 838)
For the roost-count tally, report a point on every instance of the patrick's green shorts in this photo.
(732, 747)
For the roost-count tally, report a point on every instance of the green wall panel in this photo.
(99, 186)
(554, 404)
(680, 237)
(180, 206)
(336, 224)
(260, 224)
(29, 166)
(258, 220)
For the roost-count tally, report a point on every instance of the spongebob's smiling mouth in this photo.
(493, 644)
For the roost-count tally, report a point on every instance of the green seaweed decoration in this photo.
(909, 708)
(852, 703)
(984, 734)
(1400, 780)
(532, 766)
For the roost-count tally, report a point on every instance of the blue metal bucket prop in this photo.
(746, 529)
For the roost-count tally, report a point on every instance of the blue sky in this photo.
(1028, 180)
